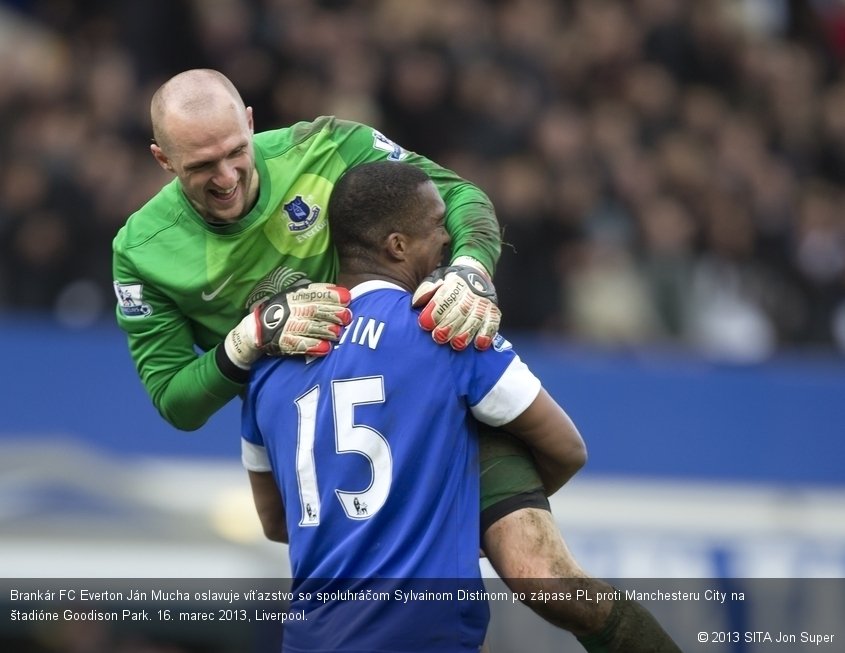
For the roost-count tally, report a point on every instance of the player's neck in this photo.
(352, 279)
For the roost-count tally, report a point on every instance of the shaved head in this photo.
(190, 96)
(203, 134)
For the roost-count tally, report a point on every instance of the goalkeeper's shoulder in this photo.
(354, 141)
(161, 212)
(305, 129)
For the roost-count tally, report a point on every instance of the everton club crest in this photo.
(300, 214)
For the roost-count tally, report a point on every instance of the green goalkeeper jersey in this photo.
(182, 283)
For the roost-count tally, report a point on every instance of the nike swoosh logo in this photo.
(211, 295)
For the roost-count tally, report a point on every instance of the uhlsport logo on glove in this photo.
(273, 316)
(478, 282)
(311, 295)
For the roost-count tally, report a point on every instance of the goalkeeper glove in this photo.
(299, 320)
(460, 304)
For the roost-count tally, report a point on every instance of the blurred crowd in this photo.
(667, 173)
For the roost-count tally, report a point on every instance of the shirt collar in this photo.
(374, 284)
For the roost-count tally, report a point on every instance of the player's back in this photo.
(376, 457)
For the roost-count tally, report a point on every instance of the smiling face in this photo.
(208, 145)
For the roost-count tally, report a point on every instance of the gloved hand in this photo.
(460, 304)
(302, 319)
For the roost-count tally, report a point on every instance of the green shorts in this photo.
(509, 479)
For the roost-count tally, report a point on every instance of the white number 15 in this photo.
(350, 438)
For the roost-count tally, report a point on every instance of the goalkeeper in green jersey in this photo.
(234, 258)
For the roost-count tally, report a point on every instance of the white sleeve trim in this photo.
(510, 397)
(254, 457)
(472, 262)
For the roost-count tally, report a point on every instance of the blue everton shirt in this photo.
(375, 452)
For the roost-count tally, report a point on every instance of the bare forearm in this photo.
(554, 440)
(269, 505)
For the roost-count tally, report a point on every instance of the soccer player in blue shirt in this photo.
(379, 478)
(377, 486)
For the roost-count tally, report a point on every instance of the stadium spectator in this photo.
(728, 108)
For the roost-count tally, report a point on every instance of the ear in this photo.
(249, 121)
(161, 157)
(396, 245)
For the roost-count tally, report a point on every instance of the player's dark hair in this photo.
(372, 200)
